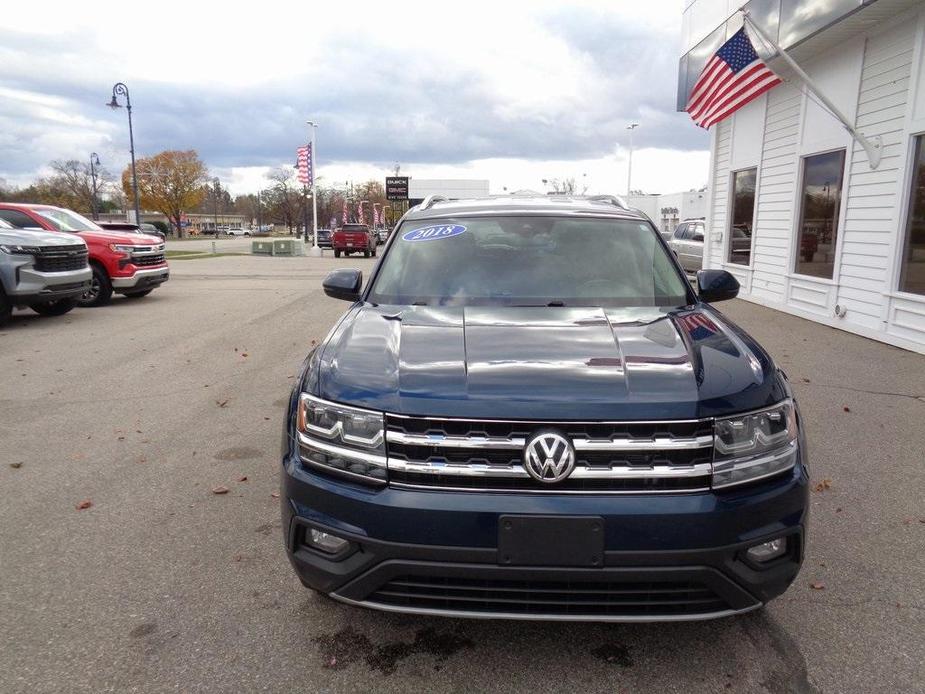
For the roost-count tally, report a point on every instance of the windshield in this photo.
(65, 220)
(528, 261)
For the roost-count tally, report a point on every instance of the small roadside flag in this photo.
(731, 78)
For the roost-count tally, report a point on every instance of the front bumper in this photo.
(142, 279)
(666, 557)
(33, 286)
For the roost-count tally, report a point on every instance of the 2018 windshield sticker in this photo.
(431, 233)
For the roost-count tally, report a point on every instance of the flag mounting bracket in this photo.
(873, 146)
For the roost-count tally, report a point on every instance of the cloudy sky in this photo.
(512, 92)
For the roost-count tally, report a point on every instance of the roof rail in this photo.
(611, 199)
(430, 200)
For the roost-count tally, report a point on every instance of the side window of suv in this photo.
(681, 232)
(18, 219)
(697, 232)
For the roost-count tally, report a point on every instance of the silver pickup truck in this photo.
(46, 272)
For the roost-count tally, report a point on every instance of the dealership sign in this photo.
(396, 187)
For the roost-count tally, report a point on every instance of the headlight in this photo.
(755, 445)
(118, 248)
(21, 250)
(342, 439)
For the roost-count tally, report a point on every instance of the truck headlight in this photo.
(119, 248)
(342, 439)
(751, 446)
(20, 250)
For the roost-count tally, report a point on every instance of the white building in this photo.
(832, 239)
(667, 210)
(454, 189)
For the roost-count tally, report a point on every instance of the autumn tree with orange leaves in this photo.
(171, 182)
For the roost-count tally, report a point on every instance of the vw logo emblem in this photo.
(549, 457)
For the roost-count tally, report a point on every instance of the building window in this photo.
(912, 277)
(818, 231)
(743, 216)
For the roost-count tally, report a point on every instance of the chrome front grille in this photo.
(672, 456)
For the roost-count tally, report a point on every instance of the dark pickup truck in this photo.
(353, 238)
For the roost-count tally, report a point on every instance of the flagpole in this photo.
(315, 251)
(874, 147)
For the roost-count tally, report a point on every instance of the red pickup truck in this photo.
(353, 238)
(122, 263)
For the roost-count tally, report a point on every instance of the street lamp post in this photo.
(259, 223)
(215, 188)
(629, 172)
(315, 251)
(118, 89)
(94, 162)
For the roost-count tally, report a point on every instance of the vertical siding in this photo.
(778, 175)
(871, 225)
(720, 185)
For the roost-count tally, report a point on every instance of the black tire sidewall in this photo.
(105, 293)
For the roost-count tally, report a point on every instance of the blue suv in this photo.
(528, 413)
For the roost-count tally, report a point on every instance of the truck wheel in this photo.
(138, 295)
(100, 291)
(366, 253)
(374, 253)
(336, 253)
(6, 308)
(54, 308)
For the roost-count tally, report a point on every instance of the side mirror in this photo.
(716, 285)
(343, 284)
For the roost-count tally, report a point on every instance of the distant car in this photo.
(353, 238)
(382, 235)
(143, 228)
(238, 232)
(324, 238)
(687, 244)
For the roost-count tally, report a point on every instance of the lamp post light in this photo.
(629, 172)
(315, 250)
(119, 89)
(94, 162)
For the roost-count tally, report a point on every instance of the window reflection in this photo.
(743, 215)
(818, 232)
(912, 278)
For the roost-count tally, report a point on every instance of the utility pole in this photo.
(629, 172)
(94, 161)
(314, 250)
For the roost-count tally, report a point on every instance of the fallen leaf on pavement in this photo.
(221, 403)
(846, 408)
(242, 478)
(275, 495)
(15, 466)
(243, 354)
(806, 380)
(86, 503)
(823, 485)
(220, 490)
(817, 585)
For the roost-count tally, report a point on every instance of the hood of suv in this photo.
(126, 237)
(545, 363)
(22, 237)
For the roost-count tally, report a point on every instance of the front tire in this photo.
(100, 291)
(336, 253)
(6, 308)
(366, 253)
(54, 308)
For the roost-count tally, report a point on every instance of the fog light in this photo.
(327, 543)
(767, 551)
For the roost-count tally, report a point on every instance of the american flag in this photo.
(361, 217)
(305, 164)
(377, 220)
(346, 214)
(731, 78)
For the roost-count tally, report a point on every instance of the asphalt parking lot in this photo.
(144, 407)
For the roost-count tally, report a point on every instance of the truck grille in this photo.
(673, 456)
(61, 258)
(550, 598)
(147, 260)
